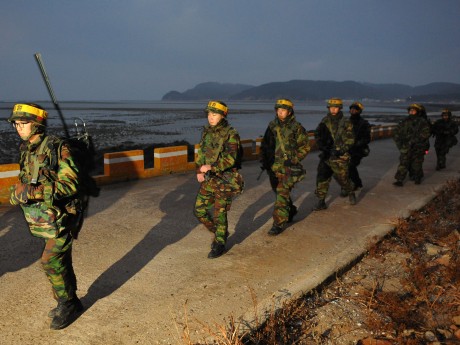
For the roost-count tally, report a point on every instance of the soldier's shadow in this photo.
(18, 248)
(252, 218)
(168, 231)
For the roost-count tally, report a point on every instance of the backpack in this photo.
(82, 151)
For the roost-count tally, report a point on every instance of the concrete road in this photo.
(141, 259)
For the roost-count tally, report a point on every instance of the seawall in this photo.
(129, 165)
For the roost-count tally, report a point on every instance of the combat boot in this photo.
(276, 230)
(343, 193)
(217, 249)
(352, 198)
(398, 183)
(292, 213)
(417, 180)
(78, 303)
(321, 205)
(66, 312)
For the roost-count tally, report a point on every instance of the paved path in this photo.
(141, 259)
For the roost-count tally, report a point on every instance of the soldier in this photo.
(46, 191)
(217, 164)
(360, 149)
(444, 130)
(334, 138)
(411, 136)
(284, 146)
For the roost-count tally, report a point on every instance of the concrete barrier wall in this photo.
(129, 165)
(8, 177)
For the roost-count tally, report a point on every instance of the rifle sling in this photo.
(40, 151)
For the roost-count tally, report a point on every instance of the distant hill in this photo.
(206, 91)
(312, 90)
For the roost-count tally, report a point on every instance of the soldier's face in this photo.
(282, 113)
(214, 118)
(334, 110)
(24, 129)
(354, 111)
(413, 111)
(445, 117)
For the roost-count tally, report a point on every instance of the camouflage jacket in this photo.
(445, 132)
(412, 133)
(50, 200)
(285, 144)
(220, 147)
(334, 136)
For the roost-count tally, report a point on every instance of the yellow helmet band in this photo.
(218, 106)
(285, 102)
(25, 108)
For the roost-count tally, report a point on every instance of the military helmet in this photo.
(335, 102)
(217, 107)
(446, 112)
(29, 112)
(285, 104)
(357, 105)
(416, 106)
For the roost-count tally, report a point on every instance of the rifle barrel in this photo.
(46, 79)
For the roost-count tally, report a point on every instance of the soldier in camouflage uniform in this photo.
(46, 189)
(217, 164)
(284, 146)
(444, 130)
(411, 137)
(334, 138)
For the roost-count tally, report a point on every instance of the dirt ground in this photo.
(406, 290)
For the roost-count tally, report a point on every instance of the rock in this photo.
(408, 332)
(430, 336)
(432, 249)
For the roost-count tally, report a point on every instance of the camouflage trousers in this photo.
(56, 261)
(332, 167)
(282, 185)
(211, 206)
(410, 162)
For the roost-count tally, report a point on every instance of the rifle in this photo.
(38, 58)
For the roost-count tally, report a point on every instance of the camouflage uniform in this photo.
(44, 206)
(47, 192)
(282, 162)
(444, 130)
(334, 138)
(411, 137)
(219, 147)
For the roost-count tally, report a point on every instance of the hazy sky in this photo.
(141, 49)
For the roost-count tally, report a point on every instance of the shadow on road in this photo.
(249, 221)
(19, 249)
(168, 231)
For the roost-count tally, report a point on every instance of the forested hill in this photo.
(312, 90)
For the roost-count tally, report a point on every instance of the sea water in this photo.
(132, 122)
